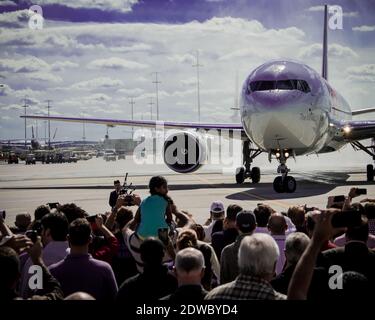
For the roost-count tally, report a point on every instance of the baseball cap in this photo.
(217, 206)
(217, 210)
(245, 221)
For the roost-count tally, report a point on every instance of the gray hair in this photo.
(258, 255)
(295, 245)
(189, 259)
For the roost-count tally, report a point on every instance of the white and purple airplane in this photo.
(287, 110)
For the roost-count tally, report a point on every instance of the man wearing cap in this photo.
(245, 223)
(229, 234)
(215, 222)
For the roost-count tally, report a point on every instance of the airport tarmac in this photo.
(88, 184)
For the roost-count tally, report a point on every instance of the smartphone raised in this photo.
(361, 191)
(32, 235)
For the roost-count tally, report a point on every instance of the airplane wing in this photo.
(144, 123)
(362, 111)
(358, 130)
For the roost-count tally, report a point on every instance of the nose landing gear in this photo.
(246, 171)
(284, 183)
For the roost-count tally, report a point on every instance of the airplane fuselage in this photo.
(287, 105)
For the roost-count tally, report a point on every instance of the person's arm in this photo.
(303, 273)
(348, 199)
(110, 223)
(215, 265)
(168, 214)
(51, 287)
(223, 267)
(112, 246)
(18, 242)
(4, 229)
(183, 219)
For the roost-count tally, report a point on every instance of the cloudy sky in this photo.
(92, 56)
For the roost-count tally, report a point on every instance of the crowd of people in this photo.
(146, 250)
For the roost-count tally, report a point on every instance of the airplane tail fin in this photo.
(325, 44)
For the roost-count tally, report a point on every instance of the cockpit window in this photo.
(290, 84)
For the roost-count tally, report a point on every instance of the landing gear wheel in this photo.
(370, 172)
(290, 184)
(240, 175)
(255, 175)
(278, 185)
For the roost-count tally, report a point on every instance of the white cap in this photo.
(217, 206)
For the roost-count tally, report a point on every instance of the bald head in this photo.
(277, 224)
(80, 296)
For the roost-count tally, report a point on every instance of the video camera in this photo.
(126, 192)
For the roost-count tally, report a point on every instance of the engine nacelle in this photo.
(184, 152)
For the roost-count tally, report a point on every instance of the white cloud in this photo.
(132, 48)
(106, 5)
(364, 72)
(98, 83)
(190, 81)
(116, 63)
(350, 14)
(28, 64)
(7, 3)
(183, 58)
(335, 50)
(364, 28)
(44, 76)
(315, 8)
(133, 92)
(62, 65)
(14, 19)
(249, 53)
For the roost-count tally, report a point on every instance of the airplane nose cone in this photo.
(281, 119)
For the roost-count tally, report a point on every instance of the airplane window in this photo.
(262, 85)
(285, 84)
(289, 84)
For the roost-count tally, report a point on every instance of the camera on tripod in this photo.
(126, 192)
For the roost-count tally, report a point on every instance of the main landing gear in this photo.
(284, 183)
(370, 150)
(244, 172)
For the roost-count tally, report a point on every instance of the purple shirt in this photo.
(84, 273)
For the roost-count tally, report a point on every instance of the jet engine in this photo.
(184, 151)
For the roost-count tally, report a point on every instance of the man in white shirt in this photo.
(217, 215)
(54, 238)
(277, 227)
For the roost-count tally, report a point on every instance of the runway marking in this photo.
(281, 204)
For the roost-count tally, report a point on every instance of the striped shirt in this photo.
(245, 288)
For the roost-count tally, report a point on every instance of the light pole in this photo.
(151, 103)
(132, 103)
(49, 124)
(157, 82)
(25, 106)
(197, 65)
